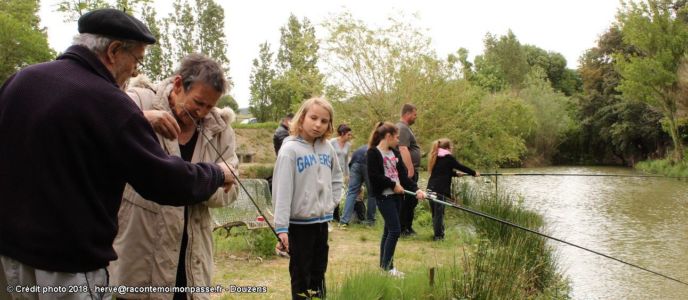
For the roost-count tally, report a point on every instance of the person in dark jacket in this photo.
(281, 132)
(386, 172)
(442, 166)
(72, 139)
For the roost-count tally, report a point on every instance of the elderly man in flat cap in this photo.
(71, 139)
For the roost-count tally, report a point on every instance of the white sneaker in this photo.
(396, 273)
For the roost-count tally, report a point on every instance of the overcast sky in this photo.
(565, 26)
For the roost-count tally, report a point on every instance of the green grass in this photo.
(492, 272)
(532, 257)
(256, 170)
(269, 125)
(479, 259)
(664, 167)
(257, 243)
(490, 260)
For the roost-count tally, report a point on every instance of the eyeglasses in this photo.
(139, 62)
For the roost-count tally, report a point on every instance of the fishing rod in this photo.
(582, 175)
(236, 178)
(433, 197)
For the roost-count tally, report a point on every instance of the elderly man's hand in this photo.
(229, 176)
(163, 123)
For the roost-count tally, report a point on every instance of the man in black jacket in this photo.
(281, 132)
(71, 139)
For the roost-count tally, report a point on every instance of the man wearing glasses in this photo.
(71, 139)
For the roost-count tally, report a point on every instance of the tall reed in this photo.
(506, 263)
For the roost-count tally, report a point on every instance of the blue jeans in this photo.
(358, 175)
(389, 208)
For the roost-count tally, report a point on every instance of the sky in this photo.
(569, 27)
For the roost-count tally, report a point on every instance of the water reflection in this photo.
(640, 220)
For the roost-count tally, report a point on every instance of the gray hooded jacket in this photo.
(307, 183)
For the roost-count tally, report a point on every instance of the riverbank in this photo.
(664, 167)
(476, 260)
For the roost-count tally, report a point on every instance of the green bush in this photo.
(665, 167)
(259, 242)
(528, 254)
(262, 242)
(271, 125)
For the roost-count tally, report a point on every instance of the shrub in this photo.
(271, 125)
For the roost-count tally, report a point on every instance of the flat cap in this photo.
(115, 23)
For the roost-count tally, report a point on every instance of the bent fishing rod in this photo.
(236, 177)
(433, 197)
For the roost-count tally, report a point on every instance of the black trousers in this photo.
(437, 211)
(308, 250)
(407, 207)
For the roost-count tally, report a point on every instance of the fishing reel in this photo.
(280, 251)
(430, 194)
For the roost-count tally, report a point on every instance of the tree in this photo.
(297, 58)
(73, 9)
(503, 63)
(194, 27)
(461, 57)
(370, 62)
(183, 28)
(611, 130)
(228, 101)
(262, 75)
(156, 62)
(561, 78)
(388, 66)
(190, 27)
(210, 31)
(550, 113)
(658, 30)
(22, 42)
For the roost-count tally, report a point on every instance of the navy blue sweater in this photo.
(69, 141)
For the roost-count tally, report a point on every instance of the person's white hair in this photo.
(98, 43)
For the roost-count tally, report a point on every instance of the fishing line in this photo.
(433, 197)
(236, 177)
(583, 175)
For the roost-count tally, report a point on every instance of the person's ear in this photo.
(178, 84)
(111, 52)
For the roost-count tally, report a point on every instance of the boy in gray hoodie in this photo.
(307, 185)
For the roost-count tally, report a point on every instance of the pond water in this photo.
(643, 221)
